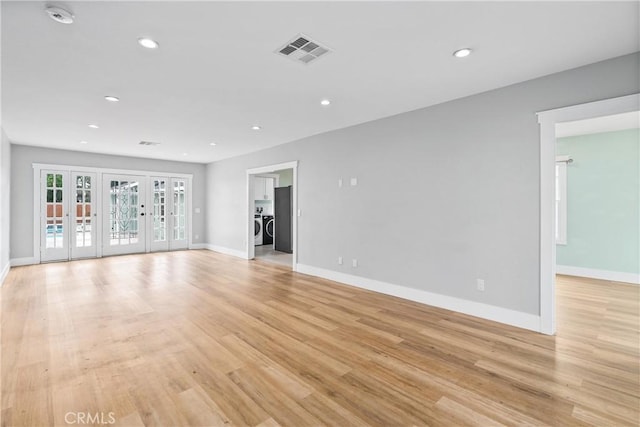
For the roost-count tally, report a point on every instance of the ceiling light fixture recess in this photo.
(112, 98)
(92, 126)
(325, 102)
(462, 53)
(60, 15)
(84, 142)
(255, 128)
(148, 43)
(213, 144)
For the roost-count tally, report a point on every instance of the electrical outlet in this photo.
(197, 236)
(354, 182)
(340, 260)
(339, 182)
(354, 262)
(480, 284)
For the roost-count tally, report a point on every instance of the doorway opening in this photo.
(551, 219)
(272, 213)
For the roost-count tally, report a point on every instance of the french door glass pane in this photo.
(54, 212)
(179, 210)
(159, 218)
(83, 211)
(123, 212)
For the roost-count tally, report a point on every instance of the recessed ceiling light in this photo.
(184, 154)
(325, 102)
(112, 98)
(148, 43)
(212, 144)
(461, 53)
(256, 127)
(83, 142)
(92, 126)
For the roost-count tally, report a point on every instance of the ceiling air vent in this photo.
(148, 143)
(303, 49)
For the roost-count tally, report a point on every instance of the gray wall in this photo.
(5, 191)
(286, 177)
(445, 194)
(22, 157)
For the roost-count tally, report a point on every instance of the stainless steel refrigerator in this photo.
(283, 210)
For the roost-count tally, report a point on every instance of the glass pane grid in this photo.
(83, 212)
(123, 212)
(54, 231)
(179, 210)
(159, 220)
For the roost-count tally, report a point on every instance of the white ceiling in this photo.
(612, 123)
(215, 73)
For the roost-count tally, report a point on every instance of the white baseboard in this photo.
(227, 251)
(5, 271)
(615, 276)
(16, 262)
(198, 246)
(472, 308)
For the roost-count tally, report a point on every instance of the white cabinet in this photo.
(263, 189)
(269, 188)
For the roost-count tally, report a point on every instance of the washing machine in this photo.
(257, 229)
(268, 225)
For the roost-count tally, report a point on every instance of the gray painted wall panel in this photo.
(445, 194)
(5, 191)
(22, 158)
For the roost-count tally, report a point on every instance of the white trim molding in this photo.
(548, 120)
(17, 262)
(196, 246)
(227, 251)
(5, 272)
(592, 273)
(472, 308)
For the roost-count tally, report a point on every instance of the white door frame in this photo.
(141, 245)
(250, 249)
(83, 252)
(38, 167)
(54, 254)
(548, 120)
(151, 244)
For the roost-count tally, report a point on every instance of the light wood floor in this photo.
(198, 338)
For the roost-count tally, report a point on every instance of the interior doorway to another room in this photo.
(552, 220)
(272, 209)
(598, 198)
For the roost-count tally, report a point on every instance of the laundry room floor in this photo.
(267, 253)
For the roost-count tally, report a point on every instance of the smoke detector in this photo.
(59, 14)
(303, 49)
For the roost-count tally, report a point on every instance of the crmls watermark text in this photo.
(90, 418)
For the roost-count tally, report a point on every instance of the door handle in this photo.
(141, 213)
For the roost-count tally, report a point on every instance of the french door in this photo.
(168, 216)
(83, 215)
(123, 205)
(67, 215)
(90, 214)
